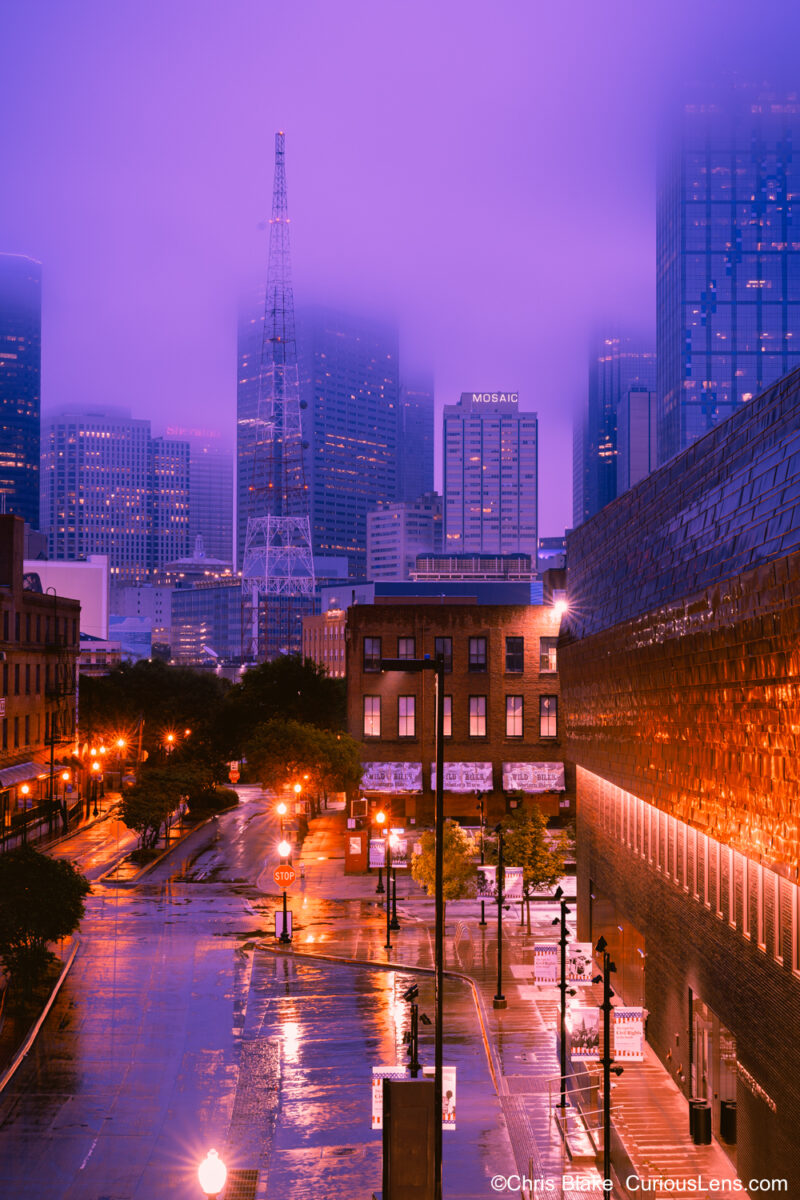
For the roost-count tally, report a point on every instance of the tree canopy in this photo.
(41, 900)
(459, 873)
(157, 793)
(282, 752)
(289, 688)
(525, 844)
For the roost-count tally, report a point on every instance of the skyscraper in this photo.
(616, 364)
(210, 490)
(109, 488)
(397, 532)
(20, 385)
(348, 367)
(728, 260)
(490, 475)
(415, 440)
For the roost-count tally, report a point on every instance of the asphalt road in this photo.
(175, 1032)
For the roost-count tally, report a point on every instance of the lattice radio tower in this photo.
(278, 564)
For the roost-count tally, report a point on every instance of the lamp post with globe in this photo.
(212, 1174)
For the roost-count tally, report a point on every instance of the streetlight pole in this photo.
(500, 1000)
(380, 818)
(608, 967)
(285, 937)
(388, 889)
(562, 921)
(437, 665)
(482, 921)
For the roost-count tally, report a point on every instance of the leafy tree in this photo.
(41, 900)
(158, 698)
(282, 752)
(525, 844)
(154, 797)
(459, 873)
(289, 688)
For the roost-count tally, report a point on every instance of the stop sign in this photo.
(283, 876)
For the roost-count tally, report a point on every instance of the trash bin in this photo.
(727, 1121)
(700, 1122)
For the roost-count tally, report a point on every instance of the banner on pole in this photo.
(512, 885)
(546, 963)
(378, 1076)
(448, 1094)
(584, 1034)
(487, 883)
(377, 852)
(579, 963)
(629, 1034)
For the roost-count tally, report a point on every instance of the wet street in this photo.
(176, 1031)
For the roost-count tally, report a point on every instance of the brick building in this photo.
(502, 725)
(680, 676)
(39, 646)
(324, 640)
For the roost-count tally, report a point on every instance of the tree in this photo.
(283, 752)
(459, 872)
(525, 844)
(156, 698)
(41, 900)
(289, 688)
(149, 803)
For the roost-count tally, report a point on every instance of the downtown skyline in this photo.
(496, 197)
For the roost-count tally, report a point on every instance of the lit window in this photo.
(548, 716)
(477, 716)
(406, 716)
(548, 663)
(514, 716)
(447, 723)
(406, 647)
(372, 716)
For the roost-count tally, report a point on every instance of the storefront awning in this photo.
(21, 773)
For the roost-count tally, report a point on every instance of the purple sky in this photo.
(485, 171)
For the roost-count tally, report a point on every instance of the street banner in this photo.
(377, 852)
(487, 883)
(400, 852)
(546, 960)
(465, 777)
(512, 885)
(392, 777)
(533, 777)
(378, 1076)
(585, 1034)
(629, 1034)
(579, 962)
(448, 1094)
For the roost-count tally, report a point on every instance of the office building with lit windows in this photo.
(20, 385)
(490, 475)
(349, 389)
(617, 363)
(210, 490)
(415, 440)
(728, 260)
(110, 488)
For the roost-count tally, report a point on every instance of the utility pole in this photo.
(608, 967)
(562, 921)
(278, 564)
(500, 1000)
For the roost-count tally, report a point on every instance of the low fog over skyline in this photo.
(485, 175)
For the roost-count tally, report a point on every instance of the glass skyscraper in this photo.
(109, 488)
(210, 490)
(490, 475)
(20, 385)
(415, 440)
(728, 260)
(617, 363)
(349, 391)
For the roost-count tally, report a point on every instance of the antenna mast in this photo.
(278, 564)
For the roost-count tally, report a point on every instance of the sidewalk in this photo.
(650, 1114)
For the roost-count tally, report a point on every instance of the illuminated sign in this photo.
(490, 397)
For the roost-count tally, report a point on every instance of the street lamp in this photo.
(483, 821)
(212, 1174)
(95, 781)
(562, 921)
(65, 777)
(281, 811)
(284, 850)
(25, 791)
(608, 967)
(500, 1000)
(437, 665)
(169, 743)
(380, 818)
(395, 924)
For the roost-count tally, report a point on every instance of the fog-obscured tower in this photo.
(210, 490)
(728, 260)
(20, 385)
(415, 440)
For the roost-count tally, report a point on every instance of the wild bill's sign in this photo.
(533, 777)
(392, 777)
(465, 777)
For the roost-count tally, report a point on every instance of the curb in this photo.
(396, 966)
(104, 878)
(34, 1031)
